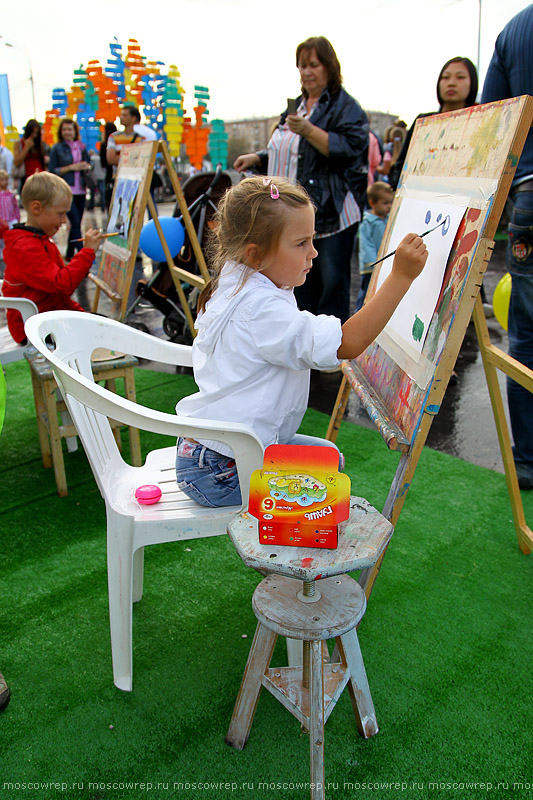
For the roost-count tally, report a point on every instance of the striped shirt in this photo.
(77, 151)
(9, 209)
(283, 160)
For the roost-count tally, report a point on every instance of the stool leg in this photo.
(294, 652)
(40, 408)
(55, 440)
(258, 661)
(316, 719)
(135, 444)
(110, 384)
(358, 687)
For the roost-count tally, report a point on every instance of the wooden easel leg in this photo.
(189, 226)
(316, 719)
(358, 687)
(170, 262)
(393, 506)
(523, 532)
(338, 410)
(258, 661)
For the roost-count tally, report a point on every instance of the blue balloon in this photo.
(150, 243)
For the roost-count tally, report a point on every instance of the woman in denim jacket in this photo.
(70, 160)
(321, 141)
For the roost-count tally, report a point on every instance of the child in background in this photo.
(9, 209)
(379, 197)
(394, 138)
(34, 267)
(374, 156)
(254, 349)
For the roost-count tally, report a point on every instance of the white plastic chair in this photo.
(9, 349)
(130, 526)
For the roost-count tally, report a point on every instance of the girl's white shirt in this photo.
(253, 354)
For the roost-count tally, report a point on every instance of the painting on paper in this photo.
(121, 212)
(410, 322)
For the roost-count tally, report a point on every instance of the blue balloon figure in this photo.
(150, 243)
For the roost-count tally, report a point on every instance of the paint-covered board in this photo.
(126, 212)
(460, 163)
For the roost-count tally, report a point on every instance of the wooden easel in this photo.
(115, 272)
(444, 146)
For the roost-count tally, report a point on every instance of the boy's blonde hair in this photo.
(4, 174)
(377, 190)
(46, 187)
(253, 211)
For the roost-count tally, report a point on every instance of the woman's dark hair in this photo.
(471, 99)
(28, 128)
(327, 57)
(109, 128)
(38, 146)
(68, 121)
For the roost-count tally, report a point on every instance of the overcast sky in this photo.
(244, 50)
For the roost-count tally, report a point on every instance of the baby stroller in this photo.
(202, 192)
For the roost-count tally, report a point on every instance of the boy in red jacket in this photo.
(34, 267)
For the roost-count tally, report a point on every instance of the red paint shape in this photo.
(404, 397)
(467, 243)
(462, 268)
(472, 214)
(306, 562)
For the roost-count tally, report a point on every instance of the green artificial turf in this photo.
(447, 642)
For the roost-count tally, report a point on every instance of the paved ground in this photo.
(465, 425)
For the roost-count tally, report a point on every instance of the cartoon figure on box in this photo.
(299, 497)
(303, 489)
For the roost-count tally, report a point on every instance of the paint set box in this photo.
(299, 497)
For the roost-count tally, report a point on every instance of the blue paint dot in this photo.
(446, 226)
(428, 217)
(439, 218)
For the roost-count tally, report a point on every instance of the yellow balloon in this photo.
(501, 298)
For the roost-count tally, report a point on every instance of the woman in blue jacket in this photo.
(322, 142)
(70, 160)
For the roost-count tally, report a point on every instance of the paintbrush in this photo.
(394, 251)
(107, 235)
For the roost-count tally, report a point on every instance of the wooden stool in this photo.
(317, 607)
(49, 404)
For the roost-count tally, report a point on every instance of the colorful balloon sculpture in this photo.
(97, 92)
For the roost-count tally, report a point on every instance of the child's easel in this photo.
(131, 196)
(468, 154)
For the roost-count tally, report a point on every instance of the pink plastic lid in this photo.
(148, 494)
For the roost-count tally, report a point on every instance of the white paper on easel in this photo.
(410, 322)
(126, 186)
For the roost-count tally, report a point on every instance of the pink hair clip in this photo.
(274, 191)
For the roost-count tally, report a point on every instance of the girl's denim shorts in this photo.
(206, 476)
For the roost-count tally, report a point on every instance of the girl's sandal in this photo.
(5, 693)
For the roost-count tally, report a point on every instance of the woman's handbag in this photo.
(18, 172)
(90, 180)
